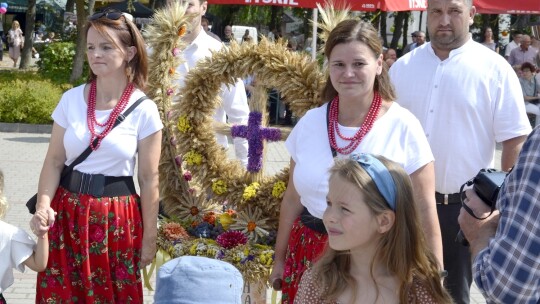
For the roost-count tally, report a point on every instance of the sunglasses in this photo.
(111, 15)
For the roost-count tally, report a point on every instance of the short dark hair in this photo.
(528, 65)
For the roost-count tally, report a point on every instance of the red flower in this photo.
(231, 239)
(121, 272)
(97, 234)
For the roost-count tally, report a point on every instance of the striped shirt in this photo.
(508, 270)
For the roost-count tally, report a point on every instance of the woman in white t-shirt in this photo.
(360, 117)
(17, 248)
(104, 232)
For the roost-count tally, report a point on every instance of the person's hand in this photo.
(148, 252)
(276, 277)
(42, 221)
(474, 228)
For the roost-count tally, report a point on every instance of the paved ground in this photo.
(21, 157)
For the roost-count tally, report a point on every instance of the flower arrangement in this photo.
(217, 208)
(238, 238)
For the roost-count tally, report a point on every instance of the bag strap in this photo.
(334, 153)
(88, 151)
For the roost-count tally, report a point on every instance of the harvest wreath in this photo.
(217, 208)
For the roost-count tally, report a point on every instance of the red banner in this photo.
(507, 6)
(356, 5)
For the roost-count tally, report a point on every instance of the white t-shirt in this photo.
(116, 155)
(509, 47)
(234, 108)
(465, 104)
(397, 135)
(16, 246)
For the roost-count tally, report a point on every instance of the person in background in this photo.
(505, 247)
(104, 233)
(205, 23)
(17, 248)
(516, 40)
(524, 53)
(388, 260)
(488, 41)
(246, 37)
(531, 92)
(228, 35)
(359, 116)
(15, 42)
(444, 84)
(234, 107)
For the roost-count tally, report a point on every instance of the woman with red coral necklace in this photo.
(359, 116)
(104, 233)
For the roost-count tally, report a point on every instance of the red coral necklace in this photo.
(355, 140)
(108, 125)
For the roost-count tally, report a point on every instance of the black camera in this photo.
(486, 184)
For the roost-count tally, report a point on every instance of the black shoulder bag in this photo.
(32, 202)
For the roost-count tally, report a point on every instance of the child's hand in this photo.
(40, 223)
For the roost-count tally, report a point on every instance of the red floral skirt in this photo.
(94, 251)
(305, 246)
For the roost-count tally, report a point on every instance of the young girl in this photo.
(376, 250)
(17, 247)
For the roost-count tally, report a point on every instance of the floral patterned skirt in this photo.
(94, 251)
(305, 246)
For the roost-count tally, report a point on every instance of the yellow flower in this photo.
(278, 189)
(193, 158)
(183, 124)
(219, 187)
(225, 220)
(251, 191)
(266, 257)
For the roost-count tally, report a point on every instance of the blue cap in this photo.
(198, 280)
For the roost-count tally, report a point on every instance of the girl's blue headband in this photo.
(380, 175)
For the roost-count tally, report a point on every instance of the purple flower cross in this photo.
(255, 134)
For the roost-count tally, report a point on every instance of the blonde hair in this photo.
(403, 249)
(3, 201)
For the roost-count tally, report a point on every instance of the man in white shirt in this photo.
(234, 108)
(516, 40)
(467, 98)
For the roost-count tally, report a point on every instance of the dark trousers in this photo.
(457, 258)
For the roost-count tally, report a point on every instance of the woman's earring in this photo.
(129, 72)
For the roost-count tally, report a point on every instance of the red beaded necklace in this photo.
(108, 125)
(355, 140)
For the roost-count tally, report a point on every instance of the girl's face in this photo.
(353, 67)
(104, 58)
(351, 225)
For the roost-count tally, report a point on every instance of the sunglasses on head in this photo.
(111, 15)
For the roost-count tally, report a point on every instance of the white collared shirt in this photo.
(234, 108)
(465, 103)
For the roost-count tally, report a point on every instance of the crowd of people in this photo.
(387, 152)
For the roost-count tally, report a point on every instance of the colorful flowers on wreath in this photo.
(278, 189)
(183, 124)
(193, 158)
(219, 187)
(249, 221)
(174, 231)
(251, 191)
